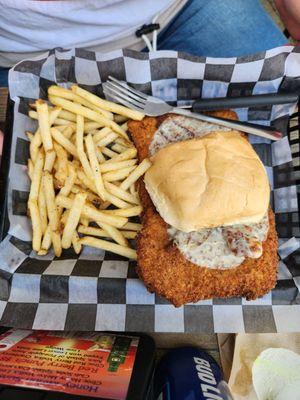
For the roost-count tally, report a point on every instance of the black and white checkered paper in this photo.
(101, 291)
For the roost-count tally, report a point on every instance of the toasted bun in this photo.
(208, 182)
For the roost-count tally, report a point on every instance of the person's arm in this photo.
(289, 11)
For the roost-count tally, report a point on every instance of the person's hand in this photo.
(289, 11)
(1, 142)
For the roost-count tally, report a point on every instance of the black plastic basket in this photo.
(4, 168)
(293, 132)
(294, 140)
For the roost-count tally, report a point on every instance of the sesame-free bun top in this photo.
(208, 182)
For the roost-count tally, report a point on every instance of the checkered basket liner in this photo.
(99, 290)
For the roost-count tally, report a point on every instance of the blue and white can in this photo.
(187, 373)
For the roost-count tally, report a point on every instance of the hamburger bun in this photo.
(216, 180)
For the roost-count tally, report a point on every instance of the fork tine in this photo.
(121, 101)
(123, 96)
(125, 91)
(137, 92)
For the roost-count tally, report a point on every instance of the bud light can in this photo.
(187, 373)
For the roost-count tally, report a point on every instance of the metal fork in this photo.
(124, 94)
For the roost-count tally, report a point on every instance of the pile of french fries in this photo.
(83, 170)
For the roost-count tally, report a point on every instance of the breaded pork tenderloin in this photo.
(167, 272)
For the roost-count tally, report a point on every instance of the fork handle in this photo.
(258, 130)
(223, 103)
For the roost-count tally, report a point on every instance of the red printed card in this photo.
(96, 365)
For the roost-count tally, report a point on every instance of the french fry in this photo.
(104, 205)
(67, 131)
(60, 152)
(80, 150)
(42, 252)
(76, 163)
(99, 135)
(108, 246)
(119, 148)
(87, 113)
(61, 128)
(88, 183)
(125, 212)
(129, 234)
(50, 201)
(100, 156)
(120, 119)
(64, 142)
(64, 217)
(32, 105)
(80, 100)
(33, 114)
(113, 166)
(135, 193)
(61, 92)
(57, 183)
(36, 224)
(67, 94)
(125, 127)
(92, 213)
(91, 231)
(69, 182)
(36, 177)
(120, 193)
(46, 242)
(114, 233)
(30, 135)
(76, 243)
(54, 114)
(132, 189)
(109, 153)
(116, 201)
(91, 126)
(136, 174)
(104, 113)
(95, 167)
(35, 143)
(109, 138)
(64, 122)
(126, 155)
(49, 160)
(69, 116)
(123, 142)
(30, 168)
(44, 125)
(132, 226)
(42, 210)
(84, 222)
(107, 105)
(61, 164)
(56, 242)
(73, 219)
(117, 175)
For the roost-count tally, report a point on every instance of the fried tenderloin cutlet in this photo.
(166, 271)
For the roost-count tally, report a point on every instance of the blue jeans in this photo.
(3, 77)
(216, 28)
(221, 28)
